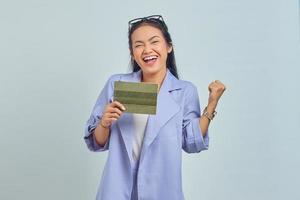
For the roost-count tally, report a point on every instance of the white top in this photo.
(139, 126)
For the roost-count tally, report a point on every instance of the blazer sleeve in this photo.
(103, 99)
(192, 140)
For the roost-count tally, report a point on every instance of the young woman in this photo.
(144, 151)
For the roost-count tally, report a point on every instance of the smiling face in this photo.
(150, 50)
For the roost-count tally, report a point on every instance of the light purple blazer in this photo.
(174, 127)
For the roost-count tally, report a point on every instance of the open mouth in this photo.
(150, 59)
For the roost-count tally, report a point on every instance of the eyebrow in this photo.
(148, 39)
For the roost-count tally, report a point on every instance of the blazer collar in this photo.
(170, 82)
(166, 108)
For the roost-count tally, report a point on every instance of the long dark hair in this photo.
(160, 24)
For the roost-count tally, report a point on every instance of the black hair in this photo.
(171, 63)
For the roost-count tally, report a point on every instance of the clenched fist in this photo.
(216, 89)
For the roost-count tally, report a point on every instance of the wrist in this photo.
(102, 125)
(211, 106)
(209, 114)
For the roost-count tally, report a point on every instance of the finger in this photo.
(114, 115)
(221, 86)
(108, 115)
(114, 110)
(118, 104)
(117, 110)
(210, 87)
(219, 83)
(104, 115)
(111, 120)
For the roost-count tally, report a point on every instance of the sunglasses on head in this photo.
(152, 18)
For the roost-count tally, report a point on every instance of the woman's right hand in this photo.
(112, 113)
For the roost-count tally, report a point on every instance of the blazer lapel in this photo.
(167, 107)
(125, 125)
(125, 122)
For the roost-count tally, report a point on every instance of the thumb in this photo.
(209, 88)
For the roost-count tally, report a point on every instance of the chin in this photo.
(151, 70)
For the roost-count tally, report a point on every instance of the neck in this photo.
(155, 78)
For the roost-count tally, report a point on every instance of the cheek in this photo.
(136, 54)
(163, 50)
(164, 53)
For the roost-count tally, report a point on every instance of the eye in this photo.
(155, 41)
(138, 45)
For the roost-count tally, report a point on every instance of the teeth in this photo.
(149, 58)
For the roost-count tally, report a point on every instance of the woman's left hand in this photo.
(216, 89)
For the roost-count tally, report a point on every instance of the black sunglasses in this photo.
(151, 18)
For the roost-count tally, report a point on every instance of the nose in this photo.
(147, 49)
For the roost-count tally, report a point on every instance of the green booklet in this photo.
(137, 97)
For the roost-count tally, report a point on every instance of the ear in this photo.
(170, 48)
(131, 53)
(131, 56)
